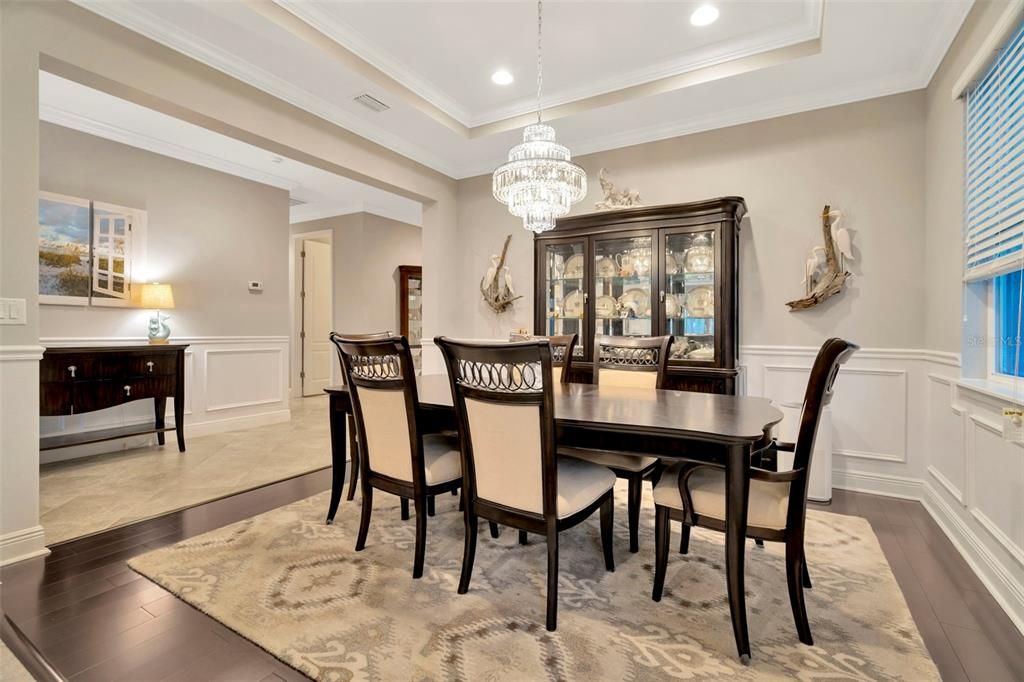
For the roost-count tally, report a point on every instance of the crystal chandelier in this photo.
(540, 182)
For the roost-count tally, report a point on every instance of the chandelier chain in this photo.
(540, 62)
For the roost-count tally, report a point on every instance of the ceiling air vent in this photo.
(371, 102)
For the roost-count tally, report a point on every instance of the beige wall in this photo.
(367, 252)
(866, 158)
(207, 234)
(944, 180)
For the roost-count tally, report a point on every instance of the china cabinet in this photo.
(410, 304)
(647, 271)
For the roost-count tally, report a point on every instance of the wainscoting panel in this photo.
(230, 383)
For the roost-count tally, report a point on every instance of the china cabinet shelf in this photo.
(667, 259)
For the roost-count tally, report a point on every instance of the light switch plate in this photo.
(12, 311)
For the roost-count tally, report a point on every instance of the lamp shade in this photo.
(156, 296)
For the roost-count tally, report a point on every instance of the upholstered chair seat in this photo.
(767, 506)
(441, 458)
(612, 458)
(580, 484)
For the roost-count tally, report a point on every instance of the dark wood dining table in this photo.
(718, 429)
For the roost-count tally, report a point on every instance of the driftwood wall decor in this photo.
(825, 282)
(496, 285)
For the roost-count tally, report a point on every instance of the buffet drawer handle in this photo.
(128, 390)
(150, 365)
(72, 369)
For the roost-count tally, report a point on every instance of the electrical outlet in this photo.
(12, 311)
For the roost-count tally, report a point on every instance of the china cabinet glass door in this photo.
(689, 293)
(564, 273)
(623, 277)
(411, 305)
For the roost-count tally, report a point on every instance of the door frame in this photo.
(295, 306)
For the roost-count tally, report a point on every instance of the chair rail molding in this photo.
(231, 382)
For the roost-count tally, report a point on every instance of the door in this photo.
(691, 293)
(622, 294)
(317, 358)
(563, 270)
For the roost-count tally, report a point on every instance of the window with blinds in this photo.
(995, 167)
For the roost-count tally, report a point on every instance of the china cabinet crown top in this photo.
(695, 212)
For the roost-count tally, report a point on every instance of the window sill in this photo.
(995, 389)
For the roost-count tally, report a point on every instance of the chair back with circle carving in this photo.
(631, 361)
(335, 336)
(503, 399)
(382, 387)
(563, 349)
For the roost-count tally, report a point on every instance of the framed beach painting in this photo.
(65, 249)
(87, 250)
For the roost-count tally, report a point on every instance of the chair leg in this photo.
(552, 615)
(607, 517)
(684, 540)
(455, 491)
(468, 553)
(430, 505)
(364, 520)
(759, 542)
(353, 449)
(794, 575)
(462, 502)
(522, 537)
(662, 532)
(495, 531)
(635, 492)
(405, 509)
(806, 576)
(421, 537)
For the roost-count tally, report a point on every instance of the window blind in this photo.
(995, 166)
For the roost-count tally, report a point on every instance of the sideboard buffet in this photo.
(89, 378)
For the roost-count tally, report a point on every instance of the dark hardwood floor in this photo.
(95, 619)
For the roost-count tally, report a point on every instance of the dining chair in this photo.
(631, 362)
(563, 347)
(353, 442)
(777, 500)
(504, 402)
(394, 456)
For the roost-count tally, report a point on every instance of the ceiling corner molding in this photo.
(84, 124)
(353, 42)
(136, 19)
(672, 74)
(942, 39)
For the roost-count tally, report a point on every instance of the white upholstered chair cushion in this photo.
(580, 483)
(767, 506)
(387, 431)
(610, 458)
(441, 459)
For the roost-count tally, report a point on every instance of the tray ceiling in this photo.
(616, 73)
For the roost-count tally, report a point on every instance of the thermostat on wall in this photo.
(255, 285)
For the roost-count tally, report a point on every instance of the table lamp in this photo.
(157, 297)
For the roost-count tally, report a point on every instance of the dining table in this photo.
(704, 427)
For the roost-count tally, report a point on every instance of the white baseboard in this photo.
(24, 544)
(877, 484)
(1004, 588)
(234, 424)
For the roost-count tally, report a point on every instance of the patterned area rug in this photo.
(295, 587)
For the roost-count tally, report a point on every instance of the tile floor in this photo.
(91, 494)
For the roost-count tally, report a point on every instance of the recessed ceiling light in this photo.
(704, 15)
(502, 77)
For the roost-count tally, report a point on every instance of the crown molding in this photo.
(76, 121)
(135, 18)
(819, 99)
(809, 29)
(320, 210)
